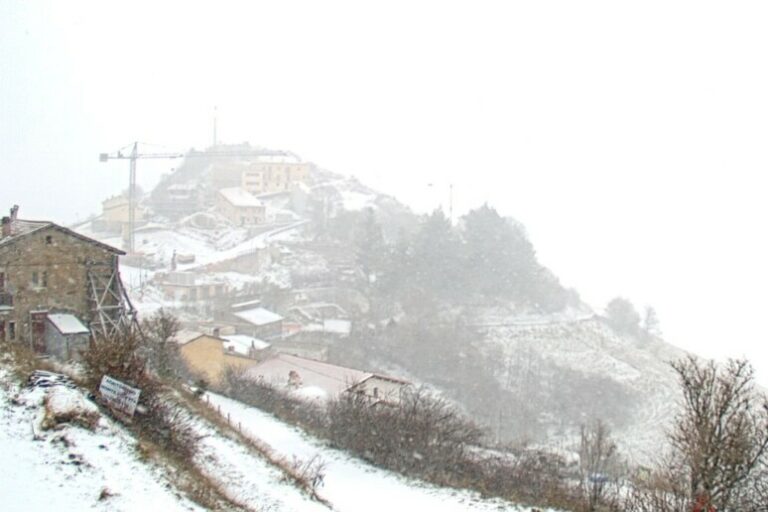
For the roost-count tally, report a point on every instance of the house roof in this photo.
(67, 324)
(185, 336)
(332, 379)
(239, 197)
(240, 305)
(21, 228)
(258, 316)
(242, 344)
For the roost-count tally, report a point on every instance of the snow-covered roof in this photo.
(184, 336)
(258, 316)
(245, 304)
(242, 344)
(332, 379)
(240, 197)
(332, 326)
(21, 228)
(67, 324)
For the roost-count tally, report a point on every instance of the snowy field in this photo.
(350, 484)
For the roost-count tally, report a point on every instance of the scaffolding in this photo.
(112, 314)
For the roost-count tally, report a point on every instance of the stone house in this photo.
(47, 269)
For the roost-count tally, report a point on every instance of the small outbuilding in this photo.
(66, 337)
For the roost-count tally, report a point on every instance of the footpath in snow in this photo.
(351, 485)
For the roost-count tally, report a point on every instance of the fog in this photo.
(629, 140)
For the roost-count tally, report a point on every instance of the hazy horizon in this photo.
(628, 139)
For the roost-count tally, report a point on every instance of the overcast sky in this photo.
(629, 137)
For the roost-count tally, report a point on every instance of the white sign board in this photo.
(120, 396)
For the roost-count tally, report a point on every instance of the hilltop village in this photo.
(221, 244)
(438, 348)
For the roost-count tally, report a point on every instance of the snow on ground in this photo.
(590, 347)
(72, 468)
(356, 201)
(350, 484)
(247, 477)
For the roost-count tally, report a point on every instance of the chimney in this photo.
(6, 227)
(14, 213)
(216, 331)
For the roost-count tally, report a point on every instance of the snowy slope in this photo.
(588, 347)
(350, 484)
(72, 468)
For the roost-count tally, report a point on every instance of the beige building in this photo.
(266, 177)
(115, 214)
(115, 211)
(209, 356)
(240, 207)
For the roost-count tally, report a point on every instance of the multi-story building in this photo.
(46, 269)
(274, 174)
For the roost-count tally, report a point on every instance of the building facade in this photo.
(47, 269)
(240, 207)
(267, 177)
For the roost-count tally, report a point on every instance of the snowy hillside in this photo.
(350, 484)
(72, 468)
(627, 383)
(101, 468)
(555, 370)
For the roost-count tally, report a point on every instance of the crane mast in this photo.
(134, 155)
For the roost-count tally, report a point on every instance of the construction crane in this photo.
(133, 156)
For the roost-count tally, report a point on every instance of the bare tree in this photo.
(597, 454)
(161, 348)
(720, 437)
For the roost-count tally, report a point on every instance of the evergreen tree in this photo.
(500, 258)
(436, 258)
(369, 245)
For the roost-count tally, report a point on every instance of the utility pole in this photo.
(132, 195)
(215, 119)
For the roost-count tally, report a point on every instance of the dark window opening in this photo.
(35, 278)
(48, 240)
(11, 331)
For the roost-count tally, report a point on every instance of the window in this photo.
(48, 240)
(11, 331)
(375, 392)
(44, 282)
(35, 279)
